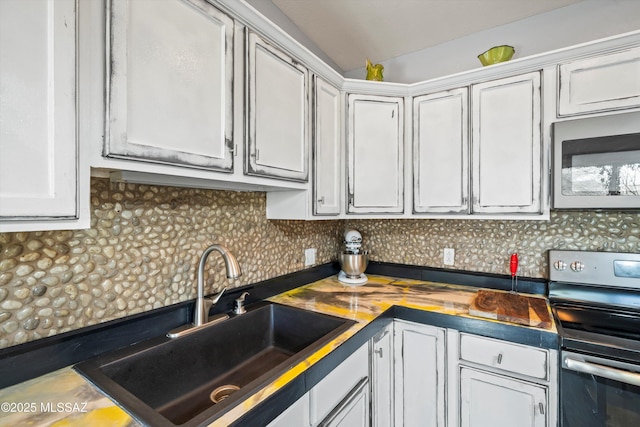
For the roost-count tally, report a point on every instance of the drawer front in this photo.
(505, 356)
(338, 383)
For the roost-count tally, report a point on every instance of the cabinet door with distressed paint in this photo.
(602, 83)
(278, 113)
(441, 152)
(375, 154)
(507, 145)
(490, 400)
(382, 396)
(327, 149)
(38, 141)
(420, 377)
(170, 83)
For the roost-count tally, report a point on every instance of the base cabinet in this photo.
(295, 415)
(412, 374)
(420, 377)
(353, 410)
(490, 400)
(382, 393)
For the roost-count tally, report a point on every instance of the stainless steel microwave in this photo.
(596, 162)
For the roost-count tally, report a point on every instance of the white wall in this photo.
(578, 23)
(275, 15)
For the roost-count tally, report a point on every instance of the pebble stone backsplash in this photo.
(486, 245)
(141, 253)
(145, 242)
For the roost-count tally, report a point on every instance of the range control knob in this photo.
(577, 266)
(560, 265)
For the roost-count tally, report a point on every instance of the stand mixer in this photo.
(353, 261)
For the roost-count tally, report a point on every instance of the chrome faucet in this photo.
(203, 305)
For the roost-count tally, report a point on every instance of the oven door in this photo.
(597, 392)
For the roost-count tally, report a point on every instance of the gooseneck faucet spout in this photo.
(201, 313)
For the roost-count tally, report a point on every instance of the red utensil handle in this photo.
(513, 264)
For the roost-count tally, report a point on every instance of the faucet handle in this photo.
(215, 299)
(239, 305)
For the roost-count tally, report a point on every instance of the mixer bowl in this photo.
(353, 265)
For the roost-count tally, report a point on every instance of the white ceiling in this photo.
(348, 31)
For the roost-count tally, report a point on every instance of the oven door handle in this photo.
(620, 375)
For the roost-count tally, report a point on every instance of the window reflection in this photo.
(602, 166)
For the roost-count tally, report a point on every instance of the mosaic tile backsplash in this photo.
(486, 246)
(144, 244)
(141, 253)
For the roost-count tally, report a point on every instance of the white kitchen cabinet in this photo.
(600, 83)
(382, 395)
(503, 383)
(353, 411)
(420, 376)
(507, 145)
(295, 415)
(343, 393)
(375, 154)
(327, 148)
(508, 357)
(441, 152)
(278, 113)
(40, 170)
(490, 400)
(170, 83)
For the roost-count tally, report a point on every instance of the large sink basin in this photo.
(165, 382)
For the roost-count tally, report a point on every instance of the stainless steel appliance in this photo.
(353, 260)
(596, 162)
(595, 298)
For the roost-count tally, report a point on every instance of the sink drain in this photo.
(222, 392)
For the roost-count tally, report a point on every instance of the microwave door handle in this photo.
(603, 371)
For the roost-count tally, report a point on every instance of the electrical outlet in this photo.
(449, 256)
(309, 256)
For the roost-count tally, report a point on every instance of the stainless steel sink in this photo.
(166, 382)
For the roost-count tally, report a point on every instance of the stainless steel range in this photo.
(595, 298)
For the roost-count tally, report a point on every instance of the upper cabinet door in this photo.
(38, 138)
(441, 152)
(375, 154)
(277, 113)
(507, 145)
(170, 88)
(607, 82)
(327, 148)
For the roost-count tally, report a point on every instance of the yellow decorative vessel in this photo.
(496, 54)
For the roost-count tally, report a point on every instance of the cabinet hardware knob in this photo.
(378, 352)
(541, 406)
(321, 200)
(499, 358)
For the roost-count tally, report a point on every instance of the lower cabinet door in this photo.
(295, 415)
(382, 378)
(420, 377)
(491, 400)
(353, 411)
